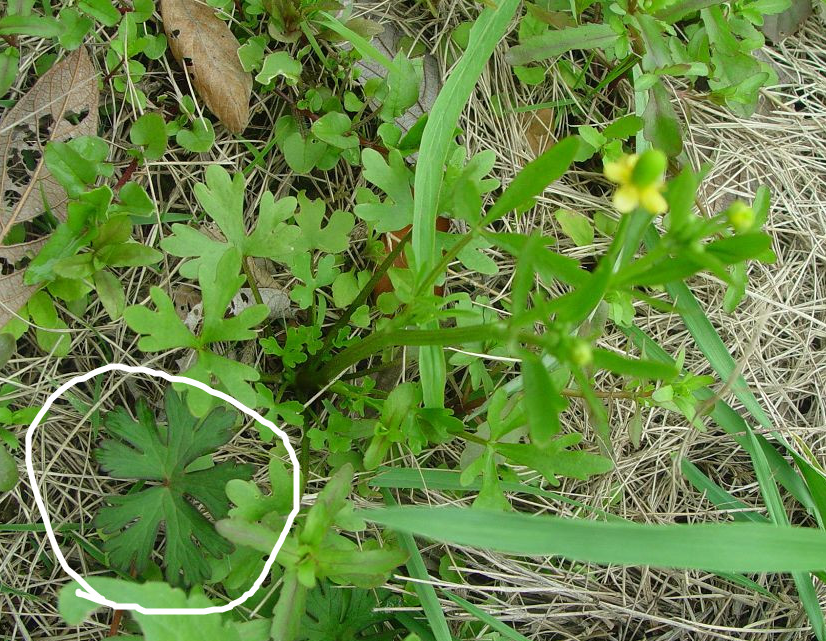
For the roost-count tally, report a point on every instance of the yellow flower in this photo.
(620, 171)
(637, 188)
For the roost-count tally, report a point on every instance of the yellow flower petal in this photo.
(626, 198)
(620, 170)
(652, 200)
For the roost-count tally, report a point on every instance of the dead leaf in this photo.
(776, 27)
(539, 130)
(62, 105)
(388, 43)
(275, 299)
(203, 44)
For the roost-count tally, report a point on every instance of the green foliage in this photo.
(163, 329)
(315, 551)
(103, 229)
(143, 450)
(712, 45)
(522, 359)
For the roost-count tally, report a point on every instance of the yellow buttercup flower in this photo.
(640, 180)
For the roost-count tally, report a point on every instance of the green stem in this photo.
(412, 337)
(364, 294)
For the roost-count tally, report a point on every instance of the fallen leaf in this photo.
(203, 44)
(778, 26)
(539, 130)
(62, 105)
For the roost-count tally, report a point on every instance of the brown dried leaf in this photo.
(539, 130)
(203, 44)
(13, 291)
(62, 105)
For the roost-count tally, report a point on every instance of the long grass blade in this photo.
(739, 547)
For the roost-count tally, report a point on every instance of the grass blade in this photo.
(493, 623)
(487, 31)
(425, 591)
(746, 547)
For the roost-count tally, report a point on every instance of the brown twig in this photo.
(9, 40)
(113, 627)
(127, 174)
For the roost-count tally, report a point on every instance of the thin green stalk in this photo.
(364, 294)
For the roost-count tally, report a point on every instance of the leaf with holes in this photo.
(25, 129)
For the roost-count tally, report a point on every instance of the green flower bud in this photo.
(581, 354)
(740, 216)
(650, 168)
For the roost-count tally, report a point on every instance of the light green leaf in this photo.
(276, 64)
(558, 41)
(576, 226)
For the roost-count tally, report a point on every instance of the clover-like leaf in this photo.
(143, 450)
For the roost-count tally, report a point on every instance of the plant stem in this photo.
(413, 337)
(364, 294)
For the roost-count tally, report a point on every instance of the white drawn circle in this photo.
(88, 592)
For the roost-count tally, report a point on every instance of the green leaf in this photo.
(336, 614)
(77, 163)
(277, 64)
(101, 10)
(155, 627)
(555, 459)
(8, 470)
(576, 226)
(334, 237)
(129, 255)
(393, 178)
(332, 127)
(142, 450)
(326, 273)
(44, 315)
(198, 139)
(162, 329)
(662, 128)
(623, 128)
(556, 42)
(251, 53)
(149, 131)
(9, 62)
(744, 547)
(403, 82)
(218, 286)
(222, 197)
(111, 294)
(543, 402)
(675, 10)
(32, 25)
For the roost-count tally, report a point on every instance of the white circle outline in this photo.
(88, 592)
